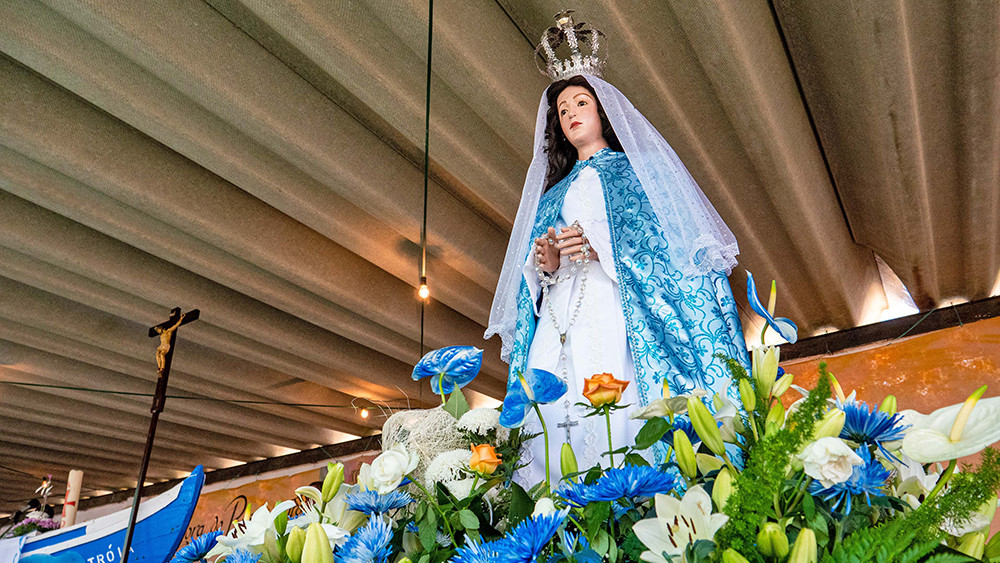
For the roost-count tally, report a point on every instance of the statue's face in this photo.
(578, 116)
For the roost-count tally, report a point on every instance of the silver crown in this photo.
(566, 30)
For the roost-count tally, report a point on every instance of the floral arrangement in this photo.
(29, 525)
(830, 478)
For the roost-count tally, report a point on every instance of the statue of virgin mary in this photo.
(617, 262)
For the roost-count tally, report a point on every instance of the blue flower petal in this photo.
(546, 388)
(370, 502)
(868, 479)
(449, 367)
(783, 326)
(545, 385)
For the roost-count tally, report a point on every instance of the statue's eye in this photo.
(562, 112)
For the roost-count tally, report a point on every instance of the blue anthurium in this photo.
(449, 367)
(783, 326)
(537, 387)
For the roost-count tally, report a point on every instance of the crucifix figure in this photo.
(165, 337)
(567, 424)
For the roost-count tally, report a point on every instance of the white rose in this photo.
(544, 507)
(390, 467)
(829, 461)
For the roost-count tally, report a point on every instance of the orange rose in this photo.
(603, 389)
(484, 459)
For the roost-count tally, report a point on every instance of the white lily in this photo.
(677, 524)
(250, 533)
(954, 431)
(666, 406)
(912, 481)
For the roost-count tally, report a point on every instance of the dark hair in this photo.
(562, 153)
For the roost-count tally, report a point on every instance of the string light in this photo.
(364, 413)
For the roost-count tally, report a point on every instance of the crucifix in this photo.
(167, 331)
(567, 424)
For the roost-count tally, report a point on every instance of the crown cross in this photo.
(572, 33)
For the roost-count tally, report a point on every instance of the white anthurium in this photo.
(678, 523)
(250, 533)
(954, 431)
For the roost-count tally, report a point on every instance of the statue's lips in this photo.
(574, 124)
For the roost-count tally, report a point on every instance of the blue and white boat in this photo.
(160, 526)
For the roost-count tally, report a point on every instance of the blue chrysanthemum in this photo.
(683, 424)
(197, 549)
(867, 425)
(411, 527)
(572, 543)
(369, 544)
(575, 494)
(631, 481)
(525, 542)
(243, 556)
(474, 552)
(370, 502)
(867, 479)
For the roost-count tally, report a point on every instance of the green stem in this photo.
(441, 391)
(545, 434)
(444, 519)
(607, 418)
(945, 477)
(799, 494)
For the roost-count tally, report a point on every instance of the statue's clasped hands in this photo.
(570, 242)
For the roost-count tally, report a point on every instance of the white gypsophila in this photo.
(481, 421)
(452, 465)
(829, 460)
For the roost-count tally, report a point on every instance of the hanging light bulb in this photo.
(364, 413)
(424, 292)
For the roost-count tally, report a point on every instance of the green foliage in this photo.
(967, 491)
(751, 502)
(457, 405)
(916, 536)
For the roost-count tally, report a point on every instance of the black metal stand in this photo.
(159, 398)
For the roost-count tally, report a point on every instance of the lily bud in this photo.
(973, 545)
(765, 369)
(567, 460)
(772, 541)
(296, 541)
(706, 427)
(685, 454)
(830, 425)
(708, 463)
(782, 385)
(334, 479)
(405, 559)
(776, 415)
(770, 429)
(804, 550)
(730, 555)
(888, 405)
(722, 488)
(317, 545)
(747, 395)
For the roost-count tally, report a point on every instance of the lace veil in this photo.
(698, 240)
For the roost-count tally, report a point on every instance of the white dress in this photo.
(595, 343)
